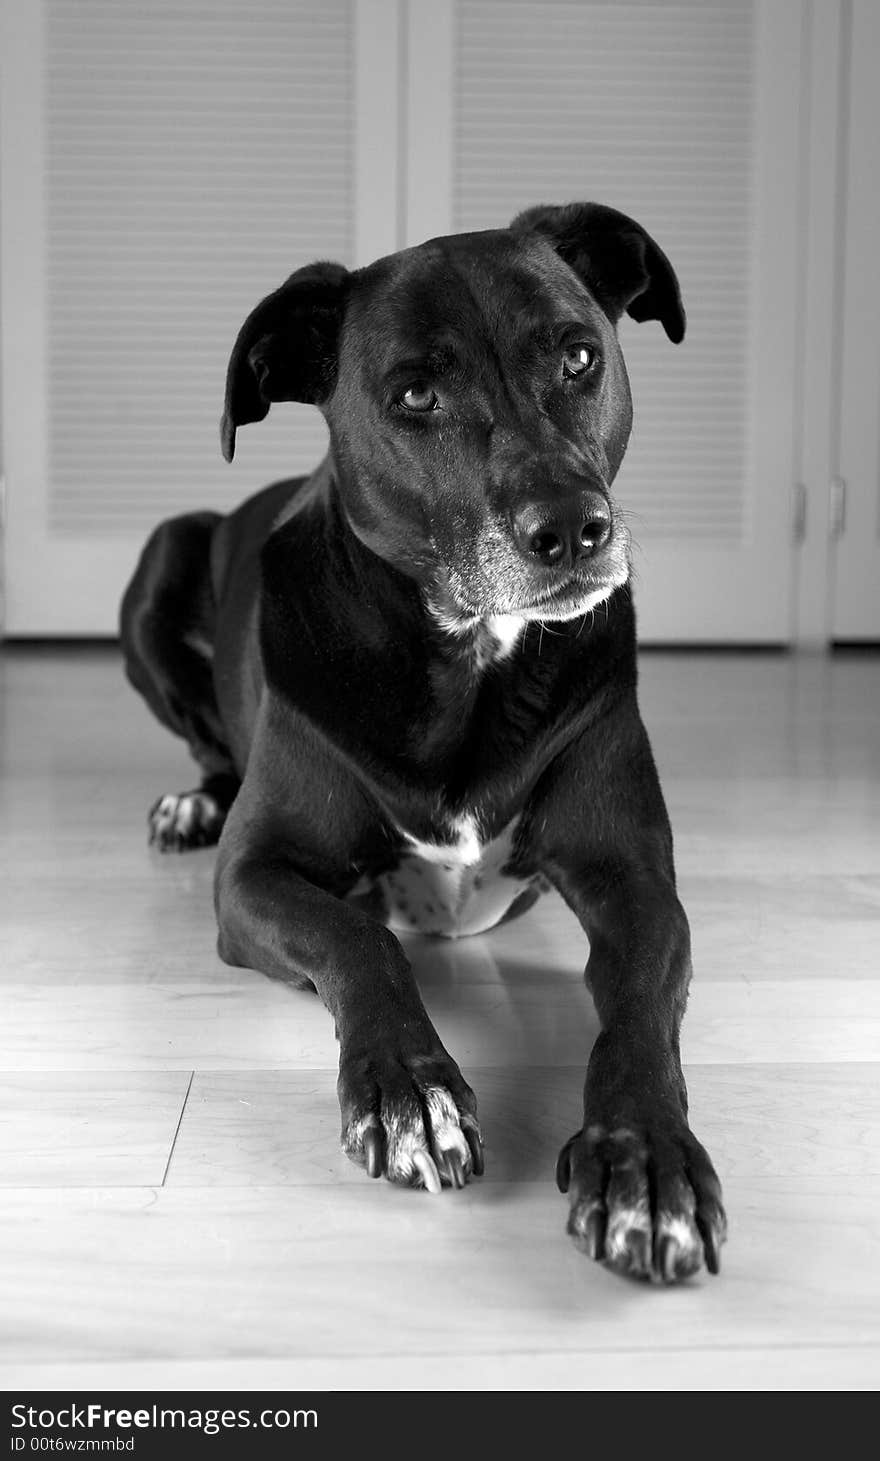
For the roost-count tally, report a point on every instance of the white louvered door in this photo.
(163, 167)
(686, 117)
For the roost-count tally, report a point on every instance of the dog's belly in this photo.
(453, 889)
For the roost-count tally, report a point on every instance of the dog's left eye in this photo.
(578, 359)
(420, 397)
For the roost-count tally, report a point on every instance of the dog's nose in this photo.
(557, 537)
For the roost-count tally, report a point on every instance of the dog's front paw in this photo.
(179, 821)
(410, 1119)
(646, 1201)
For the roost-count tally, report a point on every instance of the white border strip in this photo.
(429, 119)
(377, 165)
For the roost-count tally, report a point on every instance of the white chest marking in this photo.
(506, 629)
(465, 851)
(455, 888)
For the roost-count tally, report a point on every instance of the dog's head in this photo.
(477, 401)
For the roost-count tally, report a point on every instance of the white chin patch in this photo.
(505, 629)
(574, 609)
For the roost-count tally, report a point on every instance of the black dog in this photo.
(406, 711)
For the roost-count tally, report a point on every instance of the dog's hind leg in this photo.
(167, 631)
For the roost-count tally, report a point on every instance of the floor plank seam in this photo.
(192, 1075)
(343, 1356)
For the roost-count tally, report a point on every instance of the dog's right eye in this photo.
(419, 397)
(578, 359)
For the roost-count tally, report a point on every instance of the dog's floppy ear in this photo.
(286, 349)
(617, 260)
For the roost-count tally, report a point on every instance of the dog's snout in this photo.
(558, 535)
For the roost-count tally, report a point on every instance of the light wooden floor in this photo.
(174, 1208)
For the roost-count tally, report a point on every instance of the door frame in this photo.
(404, 85)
